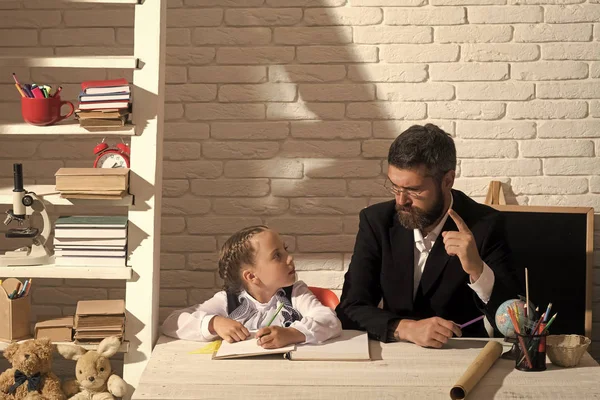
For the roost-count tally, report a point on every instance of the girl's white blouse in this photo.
(318, 322)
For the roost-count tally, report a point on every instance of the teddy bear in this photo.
(95, 379)
(31, 376)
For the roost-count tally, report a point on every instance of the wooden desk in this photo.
(397, 371)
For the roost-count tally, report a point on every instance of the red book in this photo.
(95, 105)
(105, 86)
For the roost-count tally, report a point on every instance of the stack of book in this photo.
(91, 240)
(98, 319)
(104, 104)
(92, 183)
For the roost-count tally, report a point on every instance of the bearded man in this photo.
(429, 260)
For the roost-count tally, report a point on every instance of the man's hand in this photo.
(462, 244)
(430, 332)
(228, 329)
(274, 337)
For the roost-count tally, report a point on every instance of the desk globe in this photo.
(503, 321)
(505, 325)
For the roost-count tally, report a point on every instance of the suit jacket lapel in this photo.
(402, 272)
(438, 258)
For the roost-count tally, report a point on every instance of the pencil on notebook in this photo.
(275, 315)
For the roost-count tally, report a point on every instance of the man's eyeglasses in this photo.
(395, 190)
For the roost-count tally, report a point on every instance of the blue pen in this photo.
(22, 291)
(547, 312)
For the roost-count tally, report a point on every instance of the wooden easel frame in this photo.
(495, 194)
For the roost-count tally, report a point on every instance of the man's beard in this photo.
(416, 218)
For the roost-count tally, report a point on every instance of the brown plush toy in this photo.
(31, 376)
(95, 380)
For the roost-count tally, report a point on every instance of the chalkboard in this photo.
(556, 246)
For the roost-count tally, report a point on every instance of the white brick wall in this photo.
(281, 112)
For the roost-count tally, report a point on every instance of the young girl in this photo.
(258, 275)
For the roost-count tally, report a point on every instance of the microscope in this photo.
(25, 206)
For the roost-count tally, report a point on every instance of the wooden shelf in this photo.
(123, 349)
(72, 61)
(67, 128)
(66, 272)
(49, 194)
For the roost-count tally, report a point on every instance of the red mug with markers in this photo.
(39, 106)
(44, 111)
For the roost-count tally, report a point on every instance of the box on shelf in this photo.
(57, 330)
(14, 313)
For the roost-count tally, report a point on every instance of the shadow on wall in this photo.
(312, 165)
(317, 159)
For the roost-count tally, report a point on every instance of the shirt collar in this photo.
(432, 236)
(257, 303)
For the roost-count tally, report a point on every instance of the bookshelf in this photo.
(142, 279)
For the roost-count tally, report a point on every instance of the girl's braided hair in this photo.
(237, 251)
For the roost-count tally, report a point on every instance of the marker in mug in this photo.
(57, 91)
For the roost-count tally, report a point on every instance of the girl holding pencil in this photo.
(260, 293)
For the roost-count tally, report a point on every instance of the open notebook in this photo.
(349, 346)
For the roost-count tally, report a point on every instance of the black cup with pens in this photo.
(533, 357)
(531, 352)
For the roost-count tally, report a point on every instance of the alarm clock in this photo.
(111, 157)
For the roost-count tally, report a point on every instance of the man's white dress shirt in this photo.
(423, 245)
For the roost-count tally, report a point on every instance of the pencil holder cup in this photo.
(14, 314)
(533, 356)
(44, 111)
(566, 350)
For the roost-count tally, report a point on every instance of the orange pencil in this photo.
(521, 341)
(21, 92)
(15, 78)
(18, 85)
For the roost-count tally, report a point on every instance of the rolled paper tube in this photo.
(478, 368)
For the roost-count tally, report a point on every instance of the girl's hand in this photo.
(228, 329)
(274, 337)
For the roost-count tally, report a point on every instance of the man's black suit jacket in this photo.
(382, 269)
